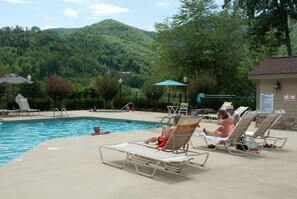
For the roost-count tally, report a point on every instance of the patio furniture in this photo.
(271, 119)
(234, 139)
(211, 117)
(240, 110)
(7, 112)
(183, 109)
(24, 105)
(168, 156)
(147, 157)
(172, 110)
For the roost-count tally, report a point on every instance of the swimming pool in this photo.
(19, 137)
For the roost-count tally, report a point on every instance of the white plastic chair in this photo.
(24, 105)
(183, 109)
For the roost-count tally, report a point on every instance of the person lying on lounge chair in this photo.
(98, 132)
(166, 132)
(225, 128)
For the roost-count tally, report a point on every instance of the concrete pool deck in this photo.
(71, 168)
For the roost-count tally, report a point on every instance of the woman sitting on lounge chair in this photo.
(225, 128)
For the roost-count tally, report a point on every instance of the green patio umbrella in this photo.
(169, 83)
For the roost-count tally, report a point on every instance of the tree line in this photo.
(217, 47)
(105, 48)
(214, 47)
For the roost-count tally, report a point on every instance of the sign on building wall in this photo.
(266, 102)
(289, 97)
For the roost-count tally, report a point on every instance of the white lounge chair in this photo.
(171, 159)
(24, 105)
(271, 119)
(225, 104)
(7, 112)
(240, 110)
(234, 138)
(211, 117)
(178, 142)
(147, 157)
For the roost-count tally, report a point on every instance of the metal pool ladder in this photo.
(124, 107)
(60, 113)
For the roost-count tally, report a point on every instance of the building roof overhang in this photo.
(275, 68)
(274, 76)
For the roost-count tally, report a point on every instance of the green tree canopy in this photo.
(268, 16)
(201, 39)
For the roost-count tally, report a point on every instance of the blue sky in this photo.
(44, 14)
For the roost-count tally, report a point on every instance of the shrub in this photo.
(58, 89)
(107, 88)
(43, 104)
(83, 104)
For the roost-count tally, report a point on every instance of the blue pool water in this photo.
(17, 138)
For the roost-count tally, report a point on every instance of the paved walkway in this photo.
(71, 168)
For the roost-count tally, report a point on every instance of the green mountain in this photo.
(116, 45)
(105, 48)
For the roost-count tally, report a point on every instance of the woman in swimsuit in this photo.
(225, 128)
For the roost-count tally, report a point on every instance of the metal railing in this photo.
(130, 103)
(60, 113)
(168, 118)
(56, 110)
(64, 110)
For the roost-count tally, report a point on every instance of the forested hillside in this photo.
(115, 45)
(214, 48)
(105, 48)
(197, 47)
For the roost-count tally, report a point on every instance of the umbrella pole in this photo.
(169, 95)
(7, 99)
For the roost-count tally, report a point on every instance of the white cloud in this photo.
(79, 2)
(162, 4)
(48, 27)
(101, 9)
(150, 28)
(18, 1)
(69, 12)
